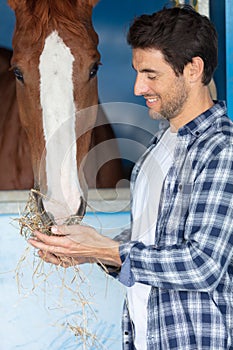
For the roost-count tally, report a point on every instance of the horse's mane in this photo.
(74, 15)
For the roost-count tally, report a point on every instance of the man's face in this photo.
(165, 93)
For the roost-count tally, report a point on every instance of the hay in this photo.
(30, 220)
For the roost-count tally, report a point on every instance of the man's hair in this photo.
(180, 33)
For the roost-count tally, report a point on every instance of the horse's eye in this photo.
(18, 74)
(94, 70)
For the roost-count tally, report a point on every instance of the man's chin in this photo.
(155, 115)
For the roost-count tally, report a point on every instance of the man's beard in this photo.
(174, 102)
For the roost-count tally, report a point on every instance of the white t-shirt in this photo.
(145, 205)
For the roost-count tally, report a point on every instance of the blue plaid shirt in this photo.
(190, 264)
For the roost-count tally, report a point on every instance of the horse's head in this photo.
(55, 60)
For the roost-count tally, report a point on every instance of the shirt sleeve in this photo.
(202, 259)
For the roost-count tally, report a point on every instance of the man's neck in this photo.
(197, 104)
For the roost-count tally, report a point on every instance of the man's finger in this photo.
(53, 259)
(60, 230)
(49, 240)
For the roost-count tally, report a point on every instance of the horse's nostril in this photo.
(48, 218)
(82, 208)
(75, 219)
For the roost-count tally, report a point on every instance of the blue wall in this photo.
(111, 20)
(221, 13)
(7, 20)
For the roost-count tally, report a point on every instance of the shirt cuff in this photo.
(126, 276)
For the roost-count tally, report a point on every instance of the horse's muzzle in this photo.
(48, 219)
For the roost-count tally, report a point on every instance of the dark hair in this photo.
(180, 33)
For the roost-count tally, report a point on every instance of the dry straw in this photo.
(33, 219)
(30, 220)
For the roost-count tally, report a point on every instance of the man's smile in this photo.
(151, 101)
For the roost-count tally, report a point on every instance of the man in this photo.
(178, 263)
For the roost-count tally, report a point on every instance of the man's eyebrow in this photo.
(146, 70)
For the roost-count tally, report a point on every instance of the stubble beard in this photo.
(174, 102)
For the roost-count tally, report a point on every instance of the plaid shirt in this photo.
(190, 265)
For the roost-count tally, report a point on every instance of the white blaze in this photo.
(58, 111)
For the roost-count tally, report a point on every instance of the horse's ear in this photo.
(14, 3)
(93, 2)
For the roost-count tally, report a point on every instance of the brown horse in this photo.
(55, 61)
(16, 170)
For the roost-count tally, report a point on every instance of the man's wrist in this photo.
(108, 254)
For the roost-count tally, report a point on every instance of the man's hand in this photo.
(76, 244)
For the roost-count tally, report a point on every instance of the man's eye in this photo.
(152, 77)
(94, 70)
(18, 74)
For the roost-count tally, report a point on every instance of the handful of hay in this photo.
(30, 220)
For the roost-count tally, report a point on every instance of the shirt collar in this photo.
(200, 124)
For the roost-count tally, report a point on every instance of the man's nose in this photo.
(140, 86)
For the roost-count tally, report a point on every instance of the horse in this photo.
(50, 130)
(16, 170)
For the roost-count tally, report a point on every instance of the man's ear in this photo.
(195, 69)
